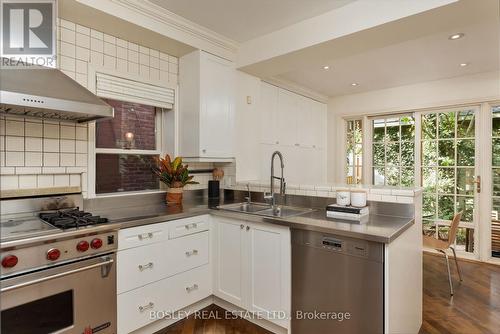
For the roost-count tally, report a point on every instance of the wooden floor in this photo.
(217, 322)
(475, 307)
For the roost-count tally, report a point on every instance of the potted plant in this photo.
(175, 175)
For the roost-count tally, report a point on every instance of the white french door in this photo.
(449, 153)
(456, 162)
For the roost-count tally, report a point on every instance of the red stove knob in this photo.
(9, 261)
(96, 243)
(53, 254)
(82, 246)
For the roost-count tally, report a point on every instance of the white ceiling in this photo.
(242, 20)
(424, 59)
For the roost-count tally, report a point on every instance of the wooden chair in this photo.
(443, 245)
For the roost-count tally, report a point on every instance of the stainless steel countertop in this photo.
(379, 228)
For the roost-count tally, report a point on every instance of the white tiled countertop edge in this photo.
(375, 193)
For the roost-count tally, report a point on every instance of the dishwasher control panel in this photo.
(332, 243)
(339, 244)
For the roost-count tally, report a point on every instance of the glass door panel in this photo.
(495, 163)
(448, 169)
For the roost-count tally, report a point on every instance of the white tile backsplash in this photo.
(48, 153)
(33, 144)
(14, 128)
(14, 143)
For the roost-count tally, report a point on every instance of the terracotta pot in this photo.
(174, 195)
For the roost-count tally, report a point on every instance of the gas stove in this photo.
(39, 233)
(70, 218)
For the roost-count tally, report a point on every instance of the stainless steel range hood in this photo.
(48, 93)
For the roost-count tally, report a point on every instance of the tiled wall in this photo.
(44, 154)
(41, 154)
(79, 46)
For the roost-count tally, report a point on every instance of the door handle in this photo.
(478, 183)
(107, 261)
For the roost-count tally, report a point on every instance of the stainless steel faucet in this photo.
(282, 179)
(249, 197)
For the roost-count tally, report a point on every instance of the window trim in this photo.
(162, 117)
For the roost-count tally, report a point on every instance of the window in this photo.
(448, 171)
(495, 212)
(393, 151)
(354, 151)
(126, 147)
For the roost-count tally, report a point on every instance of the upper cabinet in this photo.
(290, 119)
(296, 126)
(206, 105)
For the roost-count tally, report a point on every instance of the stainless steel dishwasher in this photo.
(337, 284)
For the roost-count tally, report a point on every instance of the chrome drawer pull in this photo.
(191, 288)
(145, 236)
(145, 307)
(190, 226)
(193, 252)
(145, 266)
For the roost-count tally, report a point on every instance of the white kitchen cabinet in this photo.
(288, 113)
(206, 105)
(296, 126)
(162, 267)
(229, 247)
(269, 271)
(253, 266)
(268, 113)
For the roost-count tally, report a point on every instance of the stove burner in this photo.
(71, 218)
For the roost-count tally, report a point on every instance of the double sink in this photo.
(261, 209)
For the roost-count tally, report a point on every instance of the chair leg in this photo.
(449, 272)
(456, 263)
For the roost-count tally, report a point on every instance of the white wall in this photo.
(435, 94)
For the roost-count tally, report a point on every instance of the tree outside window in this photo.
(354, 151)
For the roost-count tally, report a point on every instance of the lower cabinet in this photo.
(253, 267)
(245, 263)
(137, 308)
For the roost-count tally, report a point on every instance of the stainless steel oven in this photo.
(77, 297)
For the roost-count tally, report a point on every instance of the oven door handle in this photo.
(51, 277)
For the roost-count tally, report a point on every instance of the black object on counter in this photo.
(213, 189)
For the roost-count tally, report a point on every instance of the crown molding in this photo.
(146, 12)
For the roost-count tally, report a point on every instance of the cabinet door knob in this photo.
(204, 151)
(143, 267)
(242, 226)
(145, 236)
(191, 288)
(193, 252)
(248, 228)
(145, 307)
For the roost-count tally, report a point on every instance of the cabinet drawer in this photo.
(182, 227)
(142, 235)
(167, 295)
(187, 252)
(188, 287)
(134, 307)
(142, 265)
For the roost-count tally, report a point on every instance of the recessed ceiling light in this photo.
(354, 84)
(326, 67)
(456, 36)
(464, 64)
